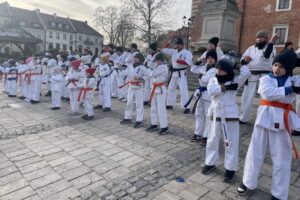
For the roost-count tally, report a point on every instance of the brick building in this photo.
(280, 16)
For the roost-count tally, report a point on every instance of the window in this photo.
(64, 46)
(71, 37)
(65, 36)
(22, 23)
(79, 38)
(53, 24)
(50, 35)
(35, 25)
(60, 25)
(57, 35)
(283, 5)
(67, 27)
(282, 31)
(57, 46)
(50, 46)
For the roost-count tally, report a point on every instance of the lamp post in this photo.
(189, 22)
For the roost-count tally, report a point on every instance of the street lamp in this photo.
(189, 22)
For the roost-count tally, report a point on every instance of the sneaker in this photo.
(22, 97)
(208, 169)
(48, 94)
(203, 141)
(98, 107)
(241, 122)
(106, 109)
(138, 124)
(126, 121)
(242, 190)
(27, 99)
(228, 176)
(67, 99)
(274, 198)
(163, 131)
(73, 113)
(34, 102)
(84, 116)
(152, 128)
(195, 138)
(89, 117)
(97, 89)
(146, 103)
(296, 133)
(121, 99)
(169, 107)
(55, 108)
(124, 100)
(186, 111)
(12, 96)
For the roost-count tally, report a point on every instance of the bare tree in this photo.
(152, 15)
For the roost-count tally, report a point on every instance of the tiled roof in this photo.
(83, 27)
(29, 17)
(48, 19)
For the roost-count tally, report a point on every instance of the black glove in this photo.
(232, 86)
(296, 89)
(198, 63)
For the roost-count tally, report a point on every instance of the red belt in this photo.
(155, 85)
(72, 81)
(137, 83)
(28, 77)
(84, 90)
(287, 108)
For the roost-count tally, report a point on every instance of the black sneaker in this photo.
(84, 116)
(203, 141)
(152, 128)
(186, 111)
(48, 94)
(207, 169)
(146, 103)
(126, 121)
(169, 107)
(34, 102)
(55, 108)
(242, 190)
(195, 138)
(89, 117)
(163, 131)
(241, 122)
(97, 89)
(228, 176)
(67, 99)
(138, 124)
(98, 107)
(106, 109)
(274, 198)
(296, 133)
(12, 96)
(21, 97)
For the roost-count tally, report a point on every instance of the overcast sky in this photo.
(83, 9)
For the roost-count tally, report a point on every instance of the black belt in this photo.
(175, 70)
(256, 72)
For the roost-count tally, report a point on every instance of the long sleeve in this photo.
(267, 90)
(168, 51)
(243, 76)
(214, 88)
(198, 69)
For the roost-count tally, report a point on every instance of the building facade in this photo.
(54, 32)
(274, 16)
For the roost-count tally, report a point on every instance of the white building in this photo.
(50, 31)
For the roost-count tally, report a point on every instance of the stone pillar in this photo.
(219, 19)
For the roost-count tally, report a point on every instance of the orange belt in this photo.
(28, 77)
(72, 81)
(137, 83)
(287, 108)
(84, 90)
(155, 85)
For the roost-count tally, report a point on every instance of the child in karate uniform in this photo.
(223, 114)
(11, 78)
(57, 80)
(275, 119)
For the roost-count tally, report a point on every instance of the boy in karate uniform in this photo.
(158, 96)
(57, 80)
(11, 78)
(35, 78)
(275, 119)
(224, 115)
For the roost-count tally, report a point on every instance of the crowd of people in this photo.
(139, 81)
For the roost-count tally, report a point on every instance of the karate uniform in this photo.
(270, 133)
(51, 64)
(178, 75)
(12, 80)
(158, 94)
(5, 71)
(35, 81)
(104, 86)
(57, 80)
(114, 77)
(224, 115)
(259, 66)
(88, 84)
(74, 80)
(21, 72)
(120, 75)
(151, 65)
(135, 92)
(202, 123)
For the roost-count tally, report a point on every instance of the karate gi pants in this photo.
(104, 97)
(22, 87)
(280, 147)
(158, 109)
(35, 86)
(137, 95)
(298, 107)
(28, 90)
(114, 85)
(65, 92)
(12, 87)
(202, 123)
(73, 100)
(147, 89)
(88, 106)
(181, 82)
(213, 141)
(56, 98)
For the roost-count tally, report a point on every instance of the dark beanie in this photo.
(119, 49)
(288, 59)
(212, 53)
(153, 46)
(179, 41)
(160, 57)
(140, 57)
(214, 41)
(134, 46)
(227, 63)
(110, 45)
(287, 44)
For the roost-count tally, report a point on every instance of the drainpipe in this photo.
(241, 27)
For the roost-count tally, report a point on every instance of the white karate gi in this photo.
(104, 97)
(35, 81)
(21, 71)
(57, 80)
(89, 96)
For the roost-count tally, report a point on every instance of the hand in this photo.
(248, 59)
(197, 93)
(274, 38)
(232, 86)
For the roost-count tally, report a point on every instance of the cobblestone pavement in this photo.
(46, 154)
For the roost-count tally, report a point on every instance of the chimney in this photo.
(54, 15)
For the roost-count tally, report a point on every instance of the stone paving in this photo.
(47, 154)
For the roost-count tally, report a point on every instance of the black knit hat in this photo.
(134, 46)
(179, 41)
(212, 53)
(153, 46)
(227, 63)
(160, 57)
(140, 57)
(214, 41)
(110, 45)
(119, 49)
(12, 62)
(288, 59)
